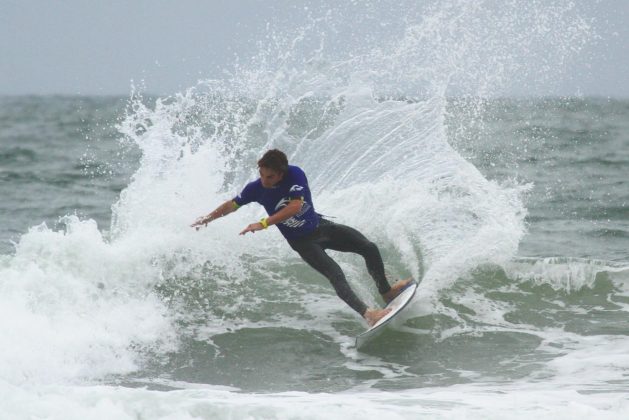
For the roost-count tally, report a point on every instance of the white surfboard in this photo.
(396, 306)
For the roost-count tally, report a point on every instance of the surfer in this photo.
(283, 191)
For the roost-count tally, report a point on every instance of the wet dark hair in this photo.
(274, 159)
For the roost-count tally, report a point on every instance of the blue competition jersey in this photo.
(293, 185)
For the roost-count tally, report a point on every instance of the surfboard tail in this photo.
(396, 305)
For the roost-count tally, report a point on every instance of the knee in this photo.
(335, 275)
(370, 248)
(339, 282)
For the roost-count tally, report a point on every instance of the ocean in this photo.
(511, 210)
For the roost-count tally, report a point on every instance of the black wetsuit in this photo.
(329, 235)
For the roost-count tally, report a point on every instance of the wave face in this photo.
(389, 112)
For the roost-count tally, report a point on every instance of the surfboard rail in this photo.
(396, 305)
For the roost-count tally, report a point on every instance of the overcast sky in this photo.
(100, 46)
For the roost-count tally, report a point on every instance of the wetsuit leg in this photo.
(346, 239)
(313, 253)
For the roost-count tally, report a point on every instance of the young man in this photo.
(283, 191)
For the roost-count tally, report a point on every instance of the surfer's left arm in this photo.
(292, 208)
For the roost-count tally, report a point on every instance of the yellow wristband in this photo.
(264, 222)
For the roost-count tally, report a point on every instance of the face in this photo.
(270, 177)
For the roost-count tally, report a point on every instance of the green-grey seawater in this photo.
(278, 327)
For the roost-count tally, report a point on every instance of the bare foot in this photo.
(374, 315)
(395, 289)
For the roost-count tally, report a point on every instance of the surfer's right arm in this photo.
(224, 209)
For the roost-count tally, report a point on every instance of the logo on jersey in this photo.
(282, 203)
(295, 221)
(296, 188)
